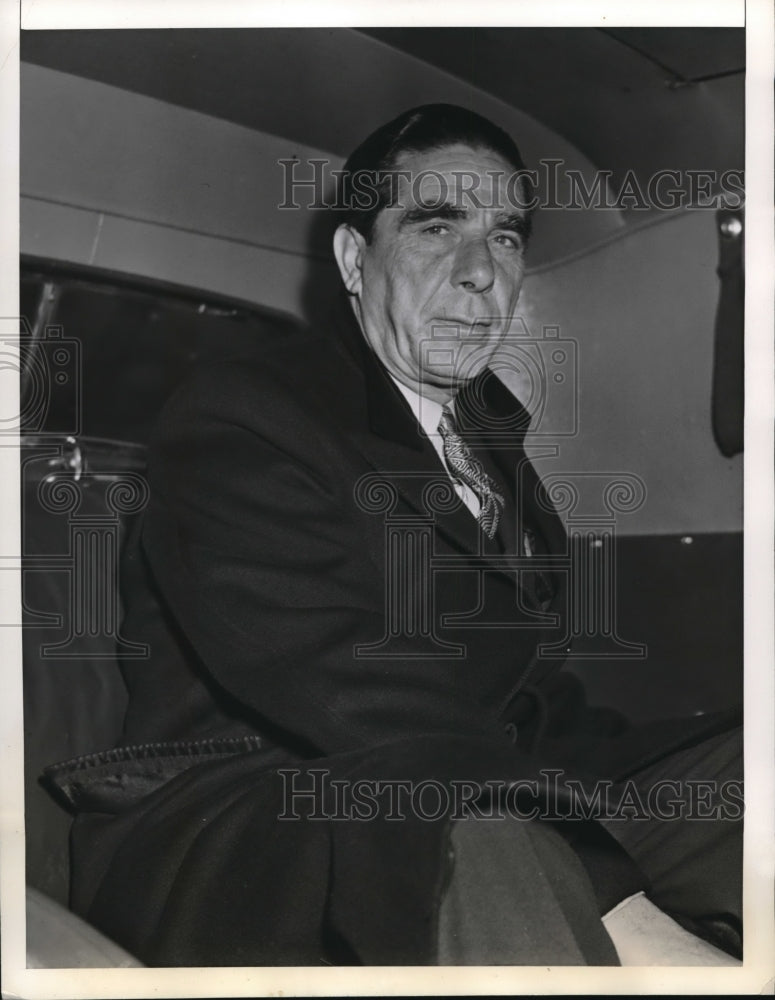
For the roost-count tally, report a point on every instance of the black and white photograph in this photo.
(392, 510)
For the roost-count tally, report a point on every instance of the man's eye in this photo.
(436, 229)
(508, 240)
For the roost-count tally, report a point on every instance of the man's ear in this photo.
(348, 250)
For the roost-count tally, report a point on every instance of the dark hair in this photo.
(366, 186)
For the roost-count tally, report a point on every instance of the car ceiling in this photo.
(644, 99)
(640, 100)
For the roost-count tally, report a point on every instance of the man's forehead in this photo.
(452, 155)
(461, 176)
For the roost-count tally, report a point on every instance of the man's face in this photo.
(438, 284)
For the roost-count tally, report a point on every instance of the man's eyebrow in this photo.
(423, 213)
(516, 223)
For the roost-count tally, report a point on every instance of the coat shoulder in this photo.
(298, 377)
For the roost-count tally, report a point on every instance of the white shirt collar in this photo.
(426, 411)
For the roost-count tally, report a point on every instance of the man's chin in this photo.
(468, 364)
(450, 366)
(452, 385)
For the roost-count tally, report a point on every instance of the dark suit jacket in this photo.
(266, 582)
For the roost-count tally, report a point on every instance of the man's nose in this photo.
(473, 268)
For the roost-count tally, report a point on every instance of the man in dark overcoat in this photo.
(352, 742)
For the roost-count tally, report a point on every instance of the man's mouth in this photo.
(473, 325)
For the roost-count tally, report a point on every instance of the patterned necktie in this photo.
(467, 469)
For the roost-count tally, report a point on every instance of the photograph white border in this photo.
(756, 975)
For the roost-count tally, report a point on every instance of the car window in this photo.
(102, 357)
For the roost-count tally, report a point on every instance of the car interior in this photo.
(168, 219)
